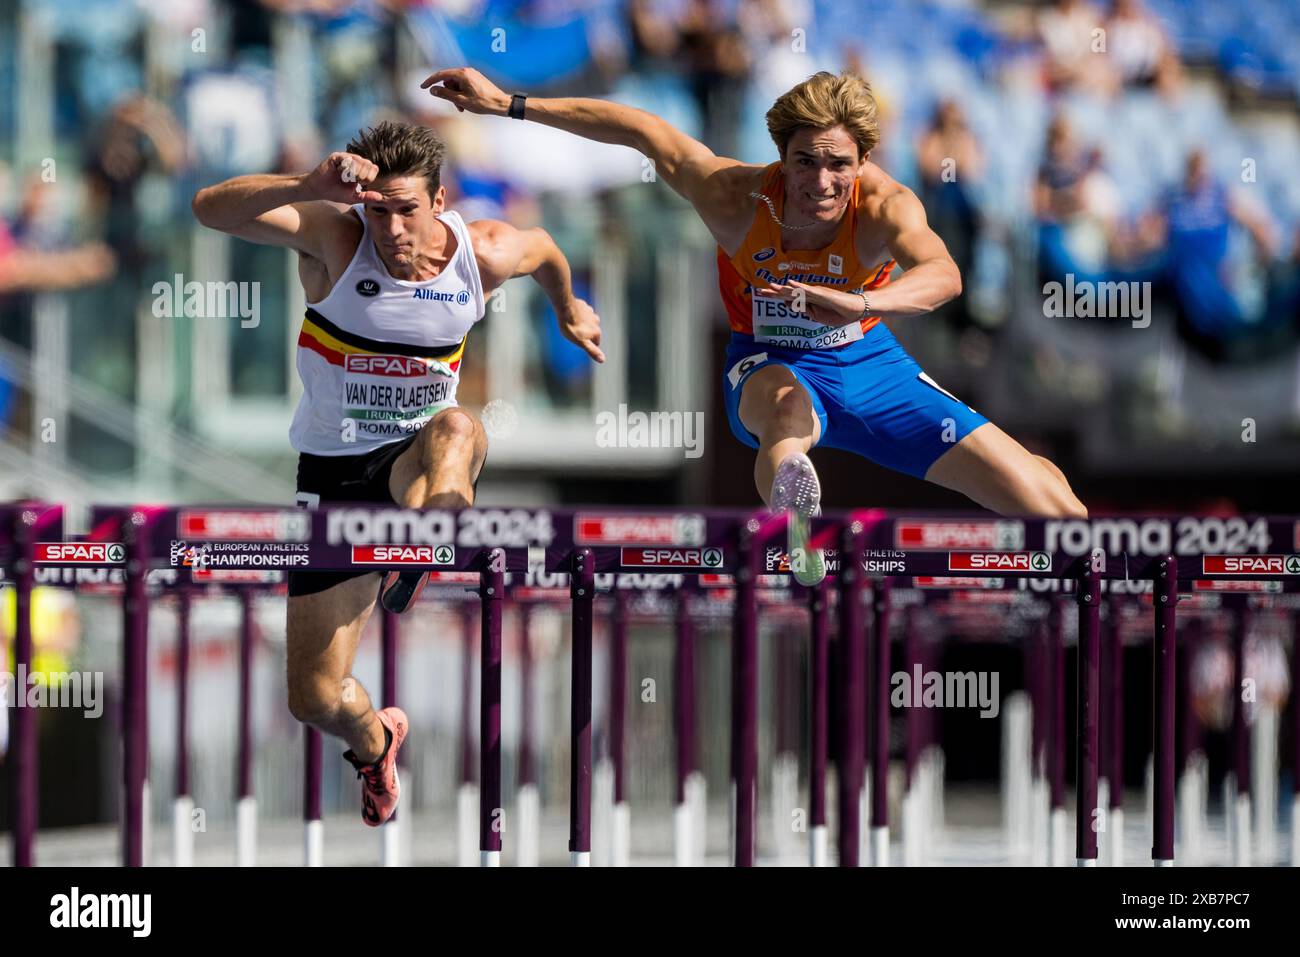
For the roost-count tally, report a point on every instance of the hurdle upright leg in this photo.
(1056, 732)
(1293, 620)
(744, 725)
(1115, 730)
(684, 853)
(391, 832)
(23, 768)
(246, 802)
(818, 725)
(621, 836)
(1239, 740)
(880, 606)
(1088, 673)
(314, 830)
(853, 707)
(183, 803)
(529, 804)
(582, 586)
(491, 588)
(135, 740)
(1164, 677)
(467, 794)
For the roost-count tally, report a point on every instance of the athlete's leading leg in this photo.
(440, 467)
(323, 631)
(994, 470)
(778, 410)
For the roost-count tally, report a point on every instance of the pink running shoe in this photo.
(380, 788)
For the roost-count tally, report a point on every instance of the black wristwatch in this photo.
(516, 111)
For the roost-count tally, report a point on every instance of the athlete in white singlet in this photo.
(394, 283)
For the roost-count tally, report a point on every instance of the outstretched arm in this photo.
(708, 182)
(504, 252)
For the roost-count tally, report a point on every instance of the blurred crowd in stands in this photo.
(1121, 141)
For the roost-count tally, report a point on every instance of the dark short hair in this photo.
(402, 149)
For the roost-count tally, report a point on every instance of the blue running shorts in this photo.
(872, 398)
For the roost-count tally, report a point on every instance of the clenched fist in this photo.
(342, 178)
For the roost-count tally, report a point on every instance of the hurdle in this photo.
(740, 540)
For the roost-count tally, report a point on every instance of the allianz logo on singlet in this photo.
(460, 298)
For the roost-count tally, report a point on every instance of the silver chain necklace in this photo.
(771, 208)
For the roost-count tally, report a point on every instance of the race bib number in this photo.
(395, 395)
(777, 324)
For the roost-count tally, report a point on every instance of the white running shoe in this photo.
(797, 490)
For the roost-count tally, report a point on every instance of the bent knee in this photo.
(782, 410)
(455, 424)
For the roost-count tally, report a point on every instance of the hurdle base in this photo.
(530, 815)
(390, 836)
(1160, 862)
(1295, 824)
(314, 844)
(1058, 837)
(466, 824)
(580, 858)
(819, 845)
(489, 858)
(1116, 837)
(246, 831)
(880, 847)
(683, 828)
(182, 832)
(1085, 862)
(1241, 833)
(620, 835)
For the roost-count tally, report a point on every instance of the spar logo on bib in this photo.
(394, 395)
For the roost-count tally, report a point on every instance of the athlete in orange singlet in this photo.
(806, 248)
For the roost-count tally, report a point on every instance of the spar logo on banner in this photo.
(79, 553)
(453, 578)
(954, 581)
(1028, 562)
(236, 576)
(226, 525)
(949, 535)
(671, 557)
(403, 554)
(1215, 584)
(1250, 565)
(592, 528)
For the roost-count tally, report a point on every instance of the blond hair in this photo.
(822, 101)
